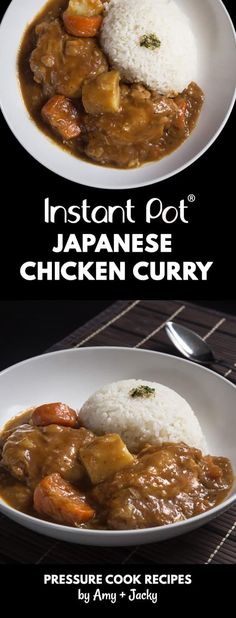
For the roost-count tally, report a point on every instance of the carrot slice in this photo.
(79, 25)
(57, 499)
(62, 115)
(55, 414)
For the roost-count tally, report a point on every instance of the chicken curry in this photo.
(79, 100)
(53, 468)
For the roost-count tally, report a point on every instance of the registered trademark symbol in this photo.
(191, 197)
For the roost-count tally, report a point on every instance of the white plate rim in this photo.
(117, 533)
(101, 185)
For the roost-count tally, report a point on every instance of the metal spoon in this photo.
(192, 346)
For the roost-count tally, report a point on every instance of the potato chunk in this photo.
(105, 456)
(102, 94)
(85, 7)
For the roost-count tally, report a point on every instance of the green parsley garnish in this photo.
(142, 391)
(150, 41)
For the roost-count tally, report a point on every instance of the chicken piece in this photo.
(20, 452)
(105, 456)
(55, 414)
(164, 485)
(125, 138)
(102, 93)
(138, 91)
(31, 452)
(63, 446)
(57, 499)
(15, 493)
(61, 63)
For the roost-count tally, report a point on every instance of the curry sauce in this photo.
(53, 468)
(145, 125)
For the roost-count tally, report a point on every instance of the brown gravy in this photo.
(162, 484)
(147, 127)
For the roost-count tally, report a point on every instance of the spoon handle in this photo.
(222, 363)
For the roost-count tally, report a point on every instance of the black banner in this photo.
(203, 234)
(61, 240)
(161, 589)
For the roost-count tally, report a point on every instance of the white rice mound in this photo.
(168, 69)
(163, 417)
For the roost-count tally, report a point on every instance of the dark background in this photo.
(31, 318)
(209, 236)
(29, 328)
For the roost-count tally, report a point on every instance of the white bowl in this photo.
(72, 375)
(217, 69)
